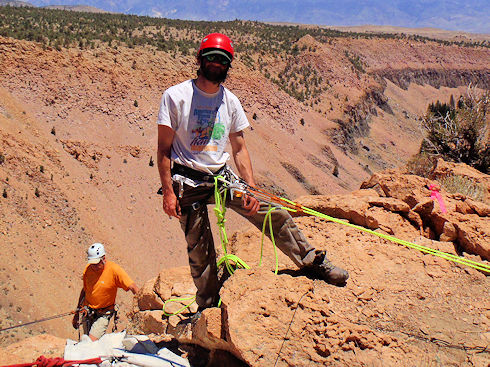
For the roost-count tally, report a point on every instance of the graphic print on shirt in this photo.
(208, 132)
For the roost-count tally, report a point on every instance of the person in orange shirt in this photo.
(101, 279)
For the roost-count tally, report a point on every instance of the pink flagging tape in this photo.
(436, 195)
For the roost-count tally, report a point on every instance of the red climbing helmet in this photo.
(217, 41)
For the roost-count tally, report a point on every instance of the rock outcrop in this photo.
(437, 77)
(388, 313)
(465, 221)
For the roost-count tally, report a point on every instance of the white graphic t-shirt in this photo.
(202, 123)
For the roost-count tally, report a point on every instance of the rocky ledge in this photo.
(400, 306)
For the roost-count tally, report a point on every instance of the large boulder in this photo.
(271, 318)
(465, 220)
(148, 298)
(410, 189)
(167, 294)
(366, 210)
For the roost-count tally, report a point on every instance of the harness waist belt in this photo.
(194, 174)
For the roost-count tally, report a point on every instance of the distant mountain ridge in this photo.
(85, 8)
(14, 3)
(470, 16)
(82, 8)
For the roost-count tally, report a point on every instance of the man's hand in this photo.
(134, 288)
(75, 322)
(251, 204)
(170, 204)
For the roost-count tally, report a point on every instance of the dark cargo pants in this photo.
(200, 245)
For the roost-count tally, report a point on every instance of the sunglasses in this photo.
(220, 59)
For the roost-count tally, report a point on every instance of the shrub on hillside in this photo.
(421, 164)
(457, 133)
(464, 185)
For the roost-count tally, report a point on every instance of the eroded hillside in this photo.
(78, 139)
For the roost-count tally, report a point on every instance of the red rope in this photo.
(42, 361)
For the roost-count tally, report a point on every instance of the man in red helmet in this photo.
(196, 119)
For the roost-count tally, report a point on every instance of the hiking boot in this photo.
(325, 270)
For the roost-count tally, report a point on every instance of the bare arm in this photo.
(241, 157)
(134, 288)
(165, 140)
(81, 298)
(244, 166)
(76, 317)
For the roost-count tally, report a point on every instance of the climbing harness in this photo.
(45, 319)
(90, 316)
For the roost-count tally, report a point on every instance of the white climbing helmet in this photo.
(95, 252)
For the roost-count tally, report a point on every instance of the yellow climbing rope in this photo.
(220, 211)
(193, 298)
(268, 218)
(450, 257)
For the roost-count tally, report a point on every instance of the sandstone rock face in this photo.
(174, 285)
(410, 189)
(164, 283)
(465, 222)
(296, 325)
(393, 291)
(148, 299)
(474, 235)
(482, 209)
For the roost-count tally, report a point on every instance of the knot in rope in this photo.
(220, 216)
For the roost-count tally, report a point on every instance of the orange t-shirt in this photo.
(101, 288)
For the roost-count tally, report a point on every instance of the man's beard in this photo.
(214, 75)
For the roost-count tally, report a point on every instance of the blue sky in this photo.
(469, 15)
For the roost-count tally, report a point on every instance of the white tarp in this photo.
(117, 349)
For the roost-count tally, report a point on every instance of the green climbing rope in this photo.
(193, 298)
(220, 211)
(428, 250)
(268, 218)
